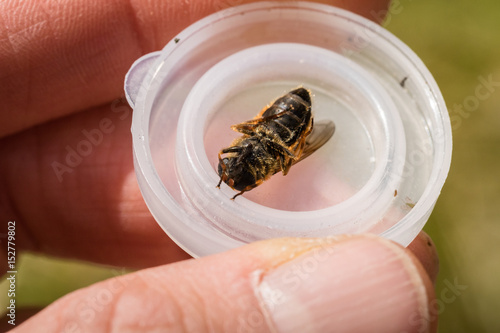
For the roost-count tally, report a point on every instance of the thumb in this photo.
(347, 284)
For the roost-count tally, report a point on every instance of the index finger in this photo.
(61, 57)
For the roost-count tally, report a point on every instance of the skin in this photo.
(61, 72)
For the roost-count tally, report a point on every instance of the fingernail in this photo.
(364, 284)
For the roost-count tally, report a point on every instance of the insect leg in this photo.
(230, 150)
(299, 147)
(243, 128)
(247, 127)
(285, 164)
(248, 188)
(322, 132)
(279, 147)
(237, 194)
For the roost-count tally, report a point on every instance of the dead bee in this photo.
(277, 138)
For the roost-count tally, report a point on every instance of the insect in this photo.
(402, 83)
(280, 136)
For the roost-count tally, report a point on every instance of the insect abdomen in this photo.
(294, 110)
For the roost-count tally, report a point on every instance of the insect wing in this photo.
(321, 133)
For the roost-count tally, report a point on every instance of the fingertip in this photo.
(425, 251)
(427, 273)
(356, 284)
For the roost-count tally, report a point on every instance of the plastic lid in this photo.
(381, 172)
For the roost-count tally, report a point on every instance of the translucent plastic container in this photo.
(381, 172)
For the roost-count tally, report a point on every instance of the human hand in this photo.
(62, 71)
(62, 68)
(346, 284)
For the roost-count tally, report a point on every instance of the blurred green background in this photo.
(459, 41)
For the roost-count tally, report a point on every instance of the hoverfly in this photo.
(280, 136)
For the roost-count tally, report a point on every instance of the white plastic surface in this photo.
(381, 172)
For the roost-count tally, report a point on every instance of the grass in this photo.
(41, 280)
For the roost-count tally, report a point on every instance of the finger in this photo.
(20, 315)
(71, 188)
(348, 284)
(424, 249)
(57, 58)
